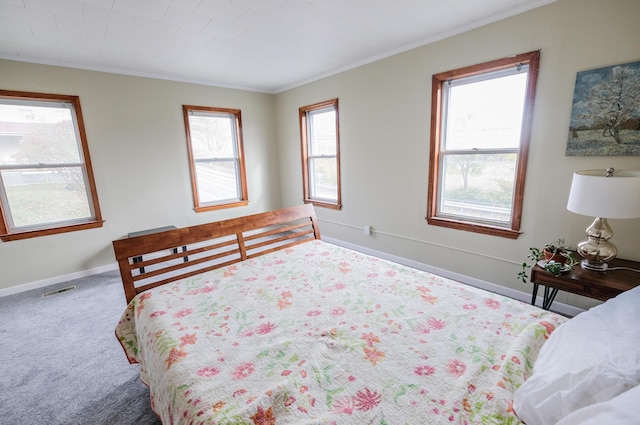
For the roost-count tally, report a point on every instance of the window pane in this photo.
(46, 184)
(320, 143)
(217, 181)
(324, 178)
(479, 186)
(216, 163)
(37, 134)
(480, 122)
(322, 132)
(46, 195)
(212, 136)
(485, 114)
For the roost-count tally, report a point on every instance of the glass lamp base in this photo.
(594, 266)
(597, 249)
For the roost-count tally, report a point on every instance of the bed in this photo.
(256, 320)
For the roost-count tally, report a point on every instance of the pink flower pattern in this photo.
(367, 399)
(242, 334)
(456, 367)
(424, 370)
(492, 303)
(208, 371)
(243, 370)
(265, 328)
(344, 405)
(183, 313)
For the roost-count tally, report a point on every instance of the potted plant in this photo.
(555, 257)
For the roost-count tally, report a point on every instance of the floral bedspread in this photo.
(319, 334)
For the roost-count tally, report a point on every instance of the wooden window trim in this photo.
(304, 144)
(244, 194)
(531, 58)
(5, 234)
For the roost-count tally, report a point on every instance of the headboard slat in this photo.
(155, 259)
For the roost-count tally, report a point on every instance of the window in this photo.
(216, 157)
(320, 142)
(46, 179)
(480, 124)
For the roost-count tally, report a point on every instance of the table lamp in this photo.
(603, 194)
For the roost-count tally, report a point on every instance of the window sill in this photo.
(474, 227)
(322, 204)
(206, 208)
(50, 231)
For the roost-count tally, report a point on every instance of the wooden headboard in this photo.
(155, 259)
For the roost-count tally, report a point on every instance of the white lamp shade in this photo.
(594, 194)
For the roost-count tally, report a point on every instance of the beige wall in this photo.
(137, 143)
(384, 134)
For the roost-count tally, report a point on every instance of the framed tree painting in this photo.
(605, 117)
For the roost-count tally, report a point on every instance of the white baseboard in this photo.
(57, 279)
(562, 308)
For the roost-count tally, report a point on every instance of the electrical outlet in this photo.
(367, 230)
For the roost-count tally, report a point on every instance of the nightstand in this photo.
(599, 285)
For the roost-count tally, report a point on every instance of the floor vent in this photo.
(58, 291)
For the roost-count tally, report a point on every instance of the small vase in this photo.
(550, 256)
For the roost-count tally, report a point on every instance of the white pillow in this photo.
(620, 410)
(590, 359)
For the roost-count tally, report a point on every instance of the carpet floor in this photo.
(60, 362)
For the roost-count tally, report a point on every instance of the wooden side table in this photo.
(618, 278)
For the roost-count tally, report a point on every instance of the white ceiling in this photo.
(260, 45)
